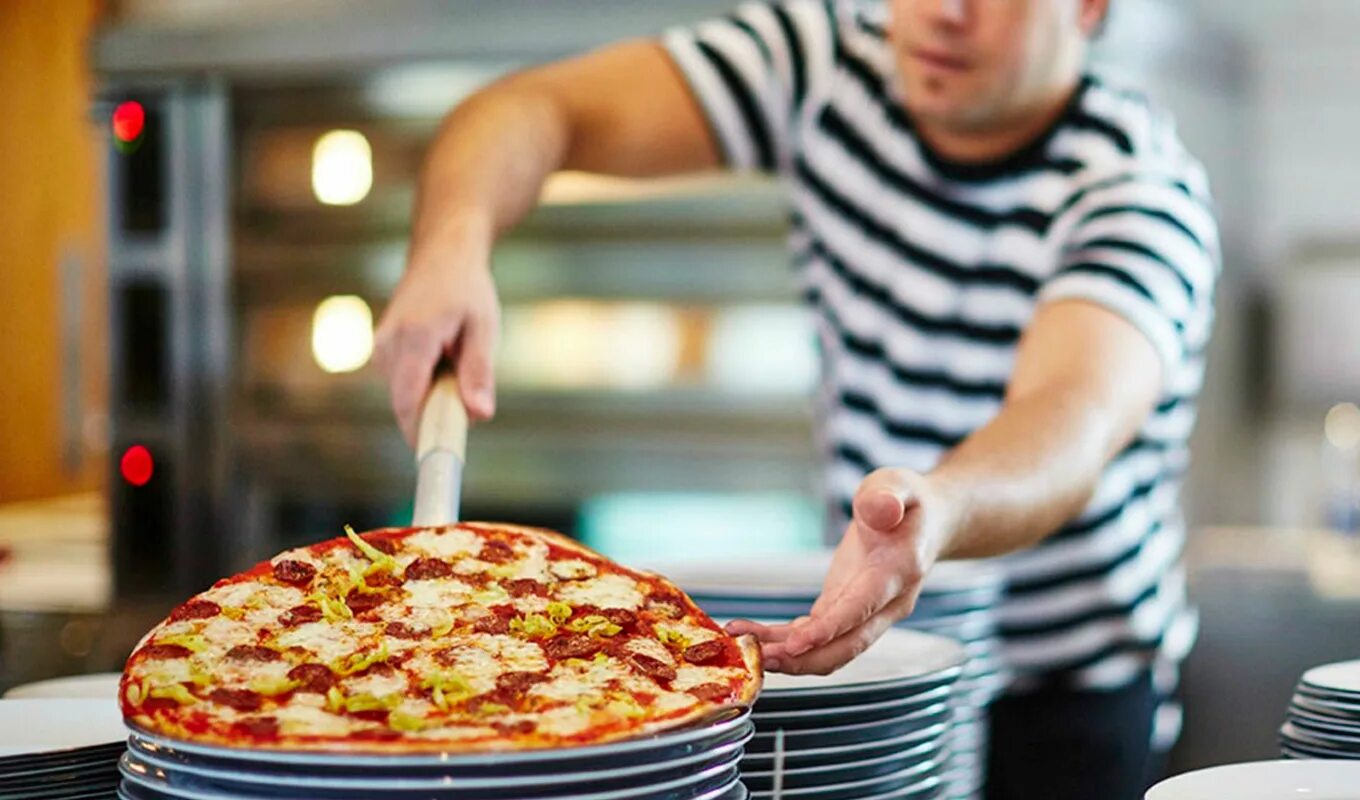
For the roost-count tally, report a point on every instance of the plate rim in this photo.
(418, 784)
(686, 735)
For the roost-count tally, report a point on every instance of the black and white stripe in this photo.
(923, 275)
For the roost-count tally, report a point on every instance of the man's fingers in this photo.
(765, 633)
(867, 595)
(835, 654)
(412, 368)
(476, 368)
(882, 500)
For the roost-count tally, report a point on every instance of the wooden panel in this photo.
(48, 212)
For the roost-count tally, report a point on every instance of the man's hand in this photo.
(901, 522)
(445, 306)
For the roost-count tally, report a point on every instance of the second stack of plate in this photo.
(59, 748)
(1323, 720)
(693, 763)
(957, 601)
(877, 728)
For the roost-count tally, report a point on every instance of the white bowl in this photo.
(1265, 780)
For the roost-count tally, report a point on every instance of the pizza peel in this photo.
(441, 450)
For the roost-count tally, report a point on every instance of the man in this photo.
(1011, 266)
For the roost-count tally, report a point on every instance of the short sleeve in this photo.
(1147, 249)
(751, 72)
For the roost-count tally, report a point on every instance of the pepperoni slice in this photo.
(166, 651)
(492, 623)
(620, 616)
(401, 630)
(517, 682)
(312, 677)
(259, 727)
(710, 691)
(496, 551)
(384, 544)
(298, 573)
(652, 667)
(522, 727)
(298, 615)
(382, 579)
(253, 652)
(424, 569)
(196, 609)
(577, 645)
(705, 651)
(522, 587)
(239, 699)
(449, 655)
(359, 602)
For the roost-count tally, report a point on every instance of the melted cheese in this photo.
(533, 564)
(376, 684)
(563, 721)
(667, 702)
(297, 554)
(568, 682)
(229, 672)
(223, 633)
(308, 719)
(605, 591)
(441, 593)
(516, 654)
(689, 676)
(327, 641)
(573, 569)
(478, 667)
(650, 647)
(445, 543)
(233, 594)
(694, 633)
(531, 604)
(454, 732)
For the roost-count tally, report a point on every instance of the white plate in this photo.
(1343, 677)
(799, 576)
(102, 685)
(48, 725)
(899, 656)
(1265, 780)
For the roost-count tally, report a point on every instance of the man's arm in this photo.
(1085, 380)
(622, 110)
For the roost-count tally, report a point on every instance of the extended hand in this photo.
(899, 527)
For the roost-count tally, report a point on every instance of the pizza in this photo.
(469, 637)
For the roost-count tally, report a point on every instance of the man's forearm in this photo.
(1083, 385)
(1021, 476)
(487, 166)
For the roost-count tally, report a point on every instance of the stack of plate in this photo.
(957, 602)
(1264, 780)
(695, 763)
(1323, 720)
(878, 728)
(59, 749)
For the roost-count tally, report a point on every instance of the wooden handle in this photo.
(443, 419)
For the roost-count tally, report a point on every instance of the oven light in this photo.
(1342, 426)
(128, 120)
(342, 333)
(136, 466)
(342, 168)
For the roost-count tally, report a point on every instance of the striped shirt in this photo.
(922, 274)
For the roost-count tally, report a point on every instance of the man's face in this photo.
(974, 64)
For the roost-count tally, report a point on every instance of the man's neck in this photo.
(995, 142)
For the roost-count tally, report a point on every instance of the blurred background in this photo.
(206, 207)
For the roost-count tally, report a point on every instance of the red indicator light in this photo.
(137, 465)
(128, 120)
